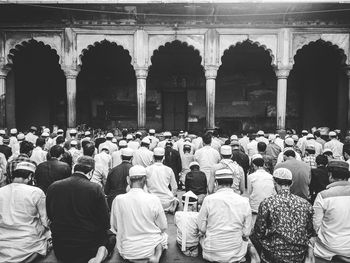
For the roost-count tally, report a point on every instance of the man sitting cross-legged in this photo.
(139, 221)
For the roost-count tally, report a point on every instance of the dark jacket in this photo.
(79, 217)
(242, 159)
(116, 181)
(6, 150)
(196, 181)
(319, 181)
(172, 159)
(51, 171)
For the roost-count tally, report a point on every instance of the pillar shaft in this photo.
(3, 73)
(210, 75)
(71, 78)
(347, 71)
(282, 75)
(141, 76)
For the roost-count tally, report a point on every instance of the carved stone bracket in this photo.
(211, 71)
(141, 72)
(71, 72)
(282, 72)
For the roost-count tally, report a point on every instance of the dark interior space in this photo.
(316, 94)
(176, 89)
(106, 87)
(246, 90)
(37, 86)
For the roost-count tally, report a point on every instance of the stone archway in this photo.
(106, 87)
(317, 89)
(176, 88)
(246, 89)
(35, 87)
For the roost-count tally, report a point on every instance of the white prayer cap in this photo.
(260, 133)
(25, 166)
(295, 137)
(233, 137)
(152, 131)
(167, 133)
(114, 140)
(223, 174)
(123, 143)
(2, 132)
(309, 136)
(146, 140)
(137, 170)
(181, 133)
(304, 132)
(74, 142)
(127, 152)
(46, 130)
(20, 137)
(191, 196)
(289, 141)
(332, 134)
(225, 150)
(59, 131)
(45, 134)
(283, 173)
(129, 137)
(73, 131)
(272, 137)
(187, 139)
(109, 135)
(327, 150)
(159, 151)
(138, 133)
(87, 133)
(13, 131)
(257, 156)
(187, 144)
(193, 164)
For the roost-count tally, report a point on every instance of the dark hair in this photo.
(329, 153)
(89, 149)
(262, 146)
(321, 160)
(225, 181)
(310, 151)
(126, 158)
(224, 156)
(258, 162)
(158, 158)
(143, 144)
(124, 132)
(82, 168)
(339, 173)
(40, 142)
(207, 138)
(289, 153)
(138, 136)
(56, 151)
(59, 140)
(317, 133)
(21, 174)
(26, 147)
(84, 142)
(285, 182)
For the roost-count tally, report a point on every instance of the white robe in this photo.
(143, 157)
(207, 157)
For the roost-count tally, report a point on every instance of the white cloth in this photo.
(138, 220)
(30, 137)
(159, 177)
(187, 220)
(225, 217)
(143, 157)
(75, 154)
(336, 147)
(116, 158)
(280, 143)
(252, 148)
(108, 145)
(198, 143)
(331, 221)
(23, 222)
(301, 141)
(260, 186)
(134, 145)
(38, 155)
(318, 147)
(244, 142)
(216, 143)
(207, 157)
(14, 143)
(103, 162)
(154, 142)
(262, 139)
(3, 164)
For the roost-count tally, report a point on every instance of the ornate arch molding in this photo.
(17, 48)
(340, 42)
(196, 42)
(89, 48)
(84, 43)
(267, 42)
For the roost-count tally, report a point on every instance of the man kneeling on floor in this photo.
(139, 221)
(225, 221)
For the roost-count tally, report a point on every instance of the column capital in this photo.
(4, 69)
(71, 72)
(211, 71)
(141, 72)
(282, 72)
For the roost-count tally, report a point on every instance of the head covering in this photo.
(223, 174)
(74, 143)
(339, 165)
(20, 137)
(304, 132)
(332, 134)
(86, 161)
(187, 145)
(233, 137)
(87, 133)
(137, 170)
(6, 139)
(138, 133)
(146, 140)
(33, 128)
(45, 134)
(181, 133)
(123, 143)
(13, 131)
(193, 164)
(2, 132)
(28, 166)
(234, 143)
(225, 150)
(289, 141)
(257, 156)
(152, 131)
(109, 135)
(327, 150)
(114, 140)
(272, 137)
(309, 147)
(295, 137)
(260, 133)
(127, 152)
(73, 131)
(167, 133)
(129, 137)
(283, 173)
(309, 136)
(46, 130)
(59, 131)
(159, 151)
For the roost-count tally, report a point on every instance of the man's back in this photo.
(142, 156)
(51, 171)
(6, 150)
(301, 177)
(207, 157)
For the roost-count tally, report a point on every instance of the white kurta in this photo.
(38, 155)
(23, 222)
(139, 222)
(225, 217)
(207, 157)
(143, 157)
(103, 162)
(336, 147)
(30, 137)
(134, 145)
(75, 154)
(108, 145)
(116, 158)
(187, 220)
(252, 148)
(159, 177)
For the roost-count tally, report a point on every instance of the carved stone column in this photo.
(3, 73)
(347, 72)
(71, 78)
(210, 75)
(141, 76)
(282, 74)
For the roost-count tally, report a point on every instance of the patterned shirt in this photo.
(311, 161)
(283, 228)
(12, 165)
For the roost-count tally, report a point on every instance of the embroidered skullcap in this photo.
(128, 152)
(74, 143)
(260, 133)
(159, 151)
(304, 132)
(233, 137)
(257, 156)
(13, 131)
(223, 174)
(289, 141)
(45, 134)
(194, 164)
(295, 137)
(146, 140)
(114, 140)
(46, 130)
(225, 150)
(109, 135)
(137, 170)
(309, 136)
(167, 133)
(73, 131)
(129, 137)
(152, 131)
(123, 143)
(283, 173)
(28, 166)
(59, 131)
(87, 133)
(338, 164)
(332, 134)
(20, 137)
(33, 128)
